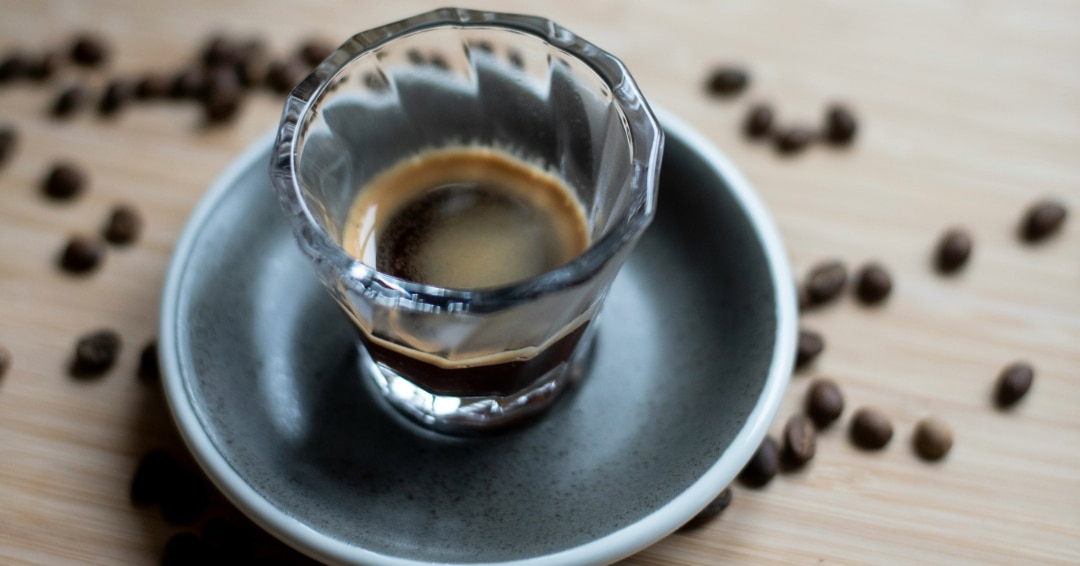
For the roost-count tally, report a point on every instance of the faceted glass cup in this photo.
(470, 360)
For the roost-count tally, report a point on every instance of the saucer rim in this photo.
(606, 549)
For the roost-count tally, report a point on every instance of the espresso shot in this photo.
(468, 218)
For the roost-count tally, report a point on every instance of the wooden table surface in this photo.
(970, 111)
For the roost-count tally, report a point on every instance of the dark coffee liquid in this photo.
(468, 218)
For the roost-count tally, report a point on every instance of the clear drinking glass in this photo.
(455, 77)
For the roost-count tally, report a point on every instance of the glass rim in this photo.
(643, 128)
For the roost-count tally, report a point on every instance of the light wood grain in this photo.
(971, 112)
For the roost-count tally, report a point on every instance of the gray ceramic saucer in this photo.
(693, 354)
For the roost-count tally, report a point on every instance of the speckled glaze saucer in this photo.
(694, 351)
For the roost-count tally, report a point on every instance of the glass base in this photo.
(478, 414)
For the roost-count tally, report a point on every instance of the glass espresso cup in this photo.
(466, 360)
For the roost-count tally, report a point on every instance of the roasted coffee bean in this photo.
(8, 142)
(43, 67)
(792, 140)
(514, 57)
(254, 64)
(95, 353)
(188, 84)
(149, 368)
(284, 75)
(873, 284)
(123, 226)
(763, 466)
(727, 81)
(14, 66)
(759, 121)
(799, 440)
(118, 94)
(185, 549)
(825, 281)
(803, 297)
(1013, 383)
(810, 346)
(314, 51)
(710, 512)
(82, 254)
(840, 125)
(415, 57)
(153, 86)
(1042, 220)
(482, 46)
(64, 181)
(69, 101)
(5, 361)
(220, 51)
(824, 402)
(223, 97)
(154, 476)
(228, 542)
(89, 50)
(953, 250)
(933, 438)
(185, 499)
(870, 429)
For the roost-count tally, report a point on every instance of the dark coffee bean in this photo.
(185, 499)
(840, 125)
(82, 254)
(792, 140)
(953, 250)
(728, 81)
(514, 57)
(826, 281)
(149, 368)
(799, 440)
(824, 402)
(45, 66)
(933, 438)
(375, 82)
(118, 94)
(870, 429)
(156, 473)
(763, 466)
(1013, 383)
(123, 226)
(482, 46)
(64, 181)
(1042, 220)
(5, 361)
(223, 96)
(759, 121)
(95, 353)
(810, 346)
(873, 284)
(710, 512)
(185, 549)
(285, 75)
(153, 86)
(314, 51)
(89, 50)
(221, 51)
(14, 66)
(188, 84)
(69, 101)
(9, 140)
(254, 64)
(415, 57)
(228, 542)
